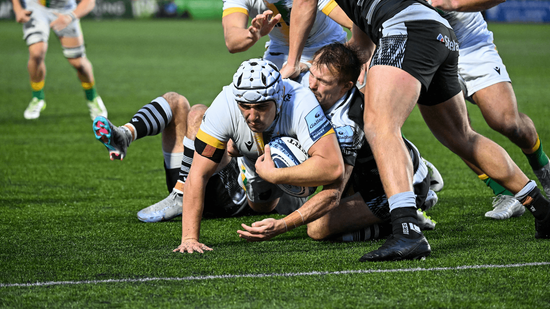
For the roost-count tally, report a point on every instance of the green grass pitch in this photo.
(69, 236)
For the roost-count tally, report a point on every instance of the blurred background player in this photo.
(363, 212)
(272, 18)
(486, 83)
(63, 16)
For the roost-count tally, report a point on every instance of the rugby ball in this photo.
(285, 152)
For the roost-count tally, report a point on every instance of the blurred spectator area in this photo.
(195, 9)
(529, 11)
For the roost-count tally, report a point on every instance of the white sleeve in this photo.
(235, 4)
(218, 118)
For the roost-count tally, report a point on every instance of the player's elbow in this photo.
(234, 48)
(336, 173)
(320, 228)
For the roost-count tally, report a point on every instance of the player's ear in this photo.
(349, 85)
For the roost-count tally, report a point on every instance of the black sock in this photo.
(172, 175)
(372, 232)
(404, 222)
(537, 204)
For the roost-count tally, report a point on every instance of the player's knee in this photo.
(37, 54)
(316, 230)
(74, 52)
(507, 126)
(194, 119)
(178, 104)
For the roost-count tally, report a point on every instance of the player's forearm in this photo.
(361, 42)
(315, 171)
(316, 207)
(16, 6)
(338, 15)
(239, 40)
(465, 5)
(83, 8)
(192, 208)
(302, 17)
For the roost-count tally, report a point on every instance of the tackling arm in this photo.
(465, 5)
(316, 207)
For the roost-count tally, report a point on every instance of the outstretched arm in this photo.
(316, 207)
(465, 5)
(21, 14)
(238, 38)
(193, 204)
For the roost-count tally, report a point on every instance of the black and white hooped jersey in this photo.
(346, 117)
(300, 117)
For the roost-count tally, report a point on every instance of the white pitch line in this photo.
(311, 273)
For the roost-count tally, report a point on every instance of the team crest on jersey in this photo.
(345, 136)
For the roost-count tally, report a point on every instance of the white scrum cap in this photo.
(258, 80)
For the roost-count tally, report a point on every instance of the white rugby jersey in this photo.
(470, 28)
(301, 117)
(324, 30)
(53, 4)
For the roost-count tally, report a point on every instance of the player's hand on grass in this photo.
(22, 16)
(61, 22)
(190, 246)
(265, 167)
(262, 230)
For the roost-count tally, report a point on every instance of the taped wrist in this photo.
(294, 220)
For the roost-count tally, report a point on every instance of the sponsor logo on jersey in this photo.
(450, 44)
(317, 123)
(249, 145)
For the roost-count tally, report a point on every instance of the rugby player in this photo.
(257, 106)
(172, 115)
(414, 59)
(363, 212)
(272, 18)
(486, 83)
(63, 16)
